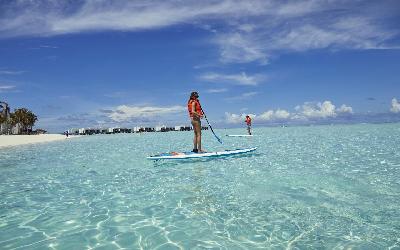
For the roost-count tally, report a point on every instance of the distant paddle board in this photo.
(191, 155)
(239, 135)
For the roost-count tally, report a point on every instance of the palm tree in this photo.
(2, 119)
(16, 120)
(4, 116)
(30, 120)
(23, 118)
(2, 123)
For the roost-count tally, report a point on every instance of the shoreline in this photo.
(17, 140)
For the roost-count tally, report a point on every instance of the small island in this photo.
(16, 128)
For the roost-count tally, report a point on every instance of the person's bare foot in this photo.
(202, 151)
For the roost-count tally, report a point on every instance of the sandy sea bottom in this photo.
(333, 187)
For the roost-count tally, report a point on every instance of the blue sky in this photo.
(129, 63)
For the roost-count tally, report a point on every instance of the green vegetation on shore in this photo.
(21, 121)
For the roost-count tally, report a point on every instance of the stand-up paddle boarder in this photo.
(248, 122)
(195, 113)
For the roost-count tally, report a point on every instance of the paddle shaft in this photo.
(219, 140)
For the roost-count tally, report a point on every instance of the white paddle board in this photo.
(239, 135)
(191, 155)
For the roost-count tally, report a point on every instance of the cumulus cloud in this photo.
(279, 114)
(318, 110)
(395, 106)
(345, 109)
(270, 115)
(237, 79)
(307, 111)
(325, 109)
(235, 118)
(125, 113)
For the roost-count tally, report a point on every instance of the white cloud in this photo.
(325, 109)
(282, 114)
(345, 109)
(305, 112)
(242, 97)
(319, 110)
(268, 115)
(235, 118)
(44, 47)
(62, 17)
(212, 91)
(11, 72)
(395, 106)
(240, 48)
(6, 88)
(355, 33)
(279, 114)
(302, 26)
(125, 113)
(48, 47)
(298, 8)
(237, 79)
(244, 31)
(304, 38)
(247, 27)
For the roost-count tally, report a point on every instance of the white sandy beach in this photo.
(15, 140)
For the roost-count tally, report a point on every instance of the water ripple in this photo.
(330, 187)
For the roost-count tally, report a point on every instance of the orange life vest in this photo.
(197, 107)
(248, 121)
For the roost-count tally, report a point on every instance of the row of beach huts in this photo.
(117, 130)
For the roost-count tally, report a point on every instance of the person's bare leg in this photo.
(194, 136)
(199, 137)
(199, 142)
(195, 141)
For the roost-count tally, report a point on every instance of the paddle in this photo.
(219, 140)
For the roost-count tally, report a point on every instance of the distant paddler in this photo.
(248, 122)
(196, 114)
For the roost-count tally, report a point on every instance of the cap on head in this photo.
(194, 94)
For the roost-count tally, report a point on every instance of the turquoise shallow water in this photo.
(333, 187)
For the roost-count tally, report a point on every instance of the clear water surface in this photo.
(319, 187)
